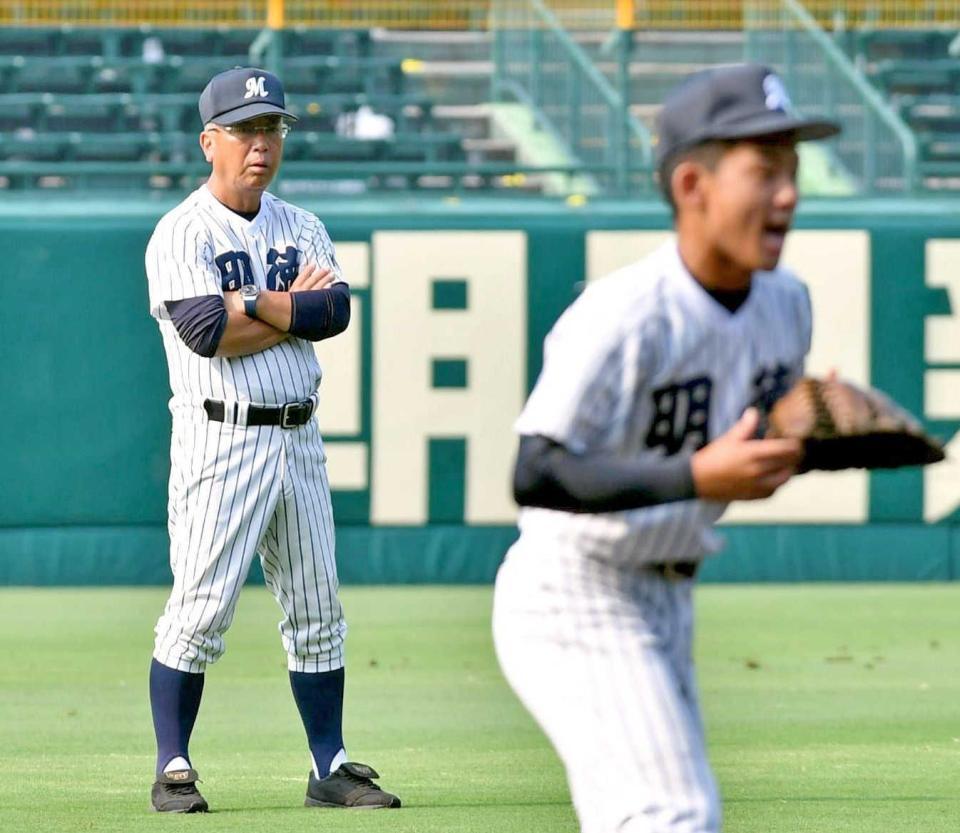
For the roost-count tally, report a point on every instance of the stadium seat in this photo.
(311, 75)
(71, 74)
(178, 147)
(884, 44)
(120, 147)
(940, 147)
(88, 113)
(301, 41)
(90, 41)
(25, 145)
(192, 76)
(28, 40)
(914, 77)
(102, 107)
(169, 113)
(932, 113)
(324, 146)
(186, 41)
(20, 111)
(235, 42)
(415, 147)
(939, 173)
(224, 41)
(409, 112)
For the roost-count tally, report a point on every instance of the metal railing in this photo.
(402, 14)
(393, 14)
(299, 177)
(596, 15)
(830, 14)
(876, 146)
(537, 63)
(732, 14)
(120, 13)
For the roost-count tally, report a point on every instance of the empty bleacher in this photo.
(74, 99)
(79, 95)
(918, 72)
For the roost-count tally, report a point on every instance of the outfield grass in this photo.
(828, 708)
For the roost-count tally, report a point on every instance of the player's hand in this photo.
(233, 302)
(737, 466)
(311, 276)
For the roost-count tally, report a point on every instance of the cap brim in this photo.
(250, 111)
(773, 124)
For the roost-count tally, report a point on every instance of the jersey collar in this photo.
(251, 226)
(697, 298)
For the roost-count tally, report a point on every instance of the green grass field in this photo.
(829, 708)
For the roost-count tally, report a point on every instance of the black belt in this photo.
(291, 415)
(676, 569)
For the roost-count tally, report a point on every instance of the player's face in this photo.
(246, 155)
(752, 194)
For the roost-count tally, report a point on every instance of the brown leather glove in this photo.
(845, 427)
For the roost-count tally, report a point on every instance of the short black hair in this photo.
(706, 153)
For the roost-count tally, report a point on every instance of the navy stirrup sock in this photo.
(175, 701)
(319, 698)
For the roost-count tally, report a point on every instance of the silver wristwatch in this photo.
(250, 293)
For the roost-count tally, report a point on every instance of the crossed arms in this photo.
(314, 308)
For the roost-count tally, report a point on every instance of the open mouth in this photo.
(774, 234)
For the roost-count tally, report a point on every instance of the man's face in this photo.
(246, 155)
(750, 197)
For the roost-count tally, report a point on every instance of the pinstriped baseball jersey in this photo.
(646, 363)
(601, 657)
(236, 490)
(201, 247)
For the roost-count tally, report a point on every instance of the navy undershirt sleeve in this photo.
(550, 476)
(320, 313)
(200, 322)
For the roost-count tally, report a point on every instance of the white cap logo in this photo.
(255, 87)
(777, 98)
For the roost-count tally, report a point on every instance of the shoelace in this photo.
(182, 789)
(359, 779)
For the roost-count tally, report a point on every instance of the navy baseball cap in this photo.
(739, 101)
(242, 93)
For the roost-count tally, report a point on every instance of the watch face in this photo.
(249, 289)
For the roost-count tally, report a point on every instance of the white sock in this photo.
(177, 764)
(339, 758)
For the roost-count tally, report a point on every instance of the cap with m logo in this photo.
(242, 93)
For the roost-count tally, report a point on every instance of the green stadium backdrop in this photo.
(452, 302)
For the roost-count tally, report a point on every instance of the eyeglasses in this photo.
(247, 130)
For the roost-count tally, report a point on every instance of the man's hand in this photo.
(247, 335)
(244, 335)
(233, 302)
(737, 466)
(312, 276)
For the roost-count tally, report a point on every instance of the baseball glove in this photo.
(845, 427)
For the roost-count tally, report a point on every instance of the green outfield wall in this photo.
(451, 303)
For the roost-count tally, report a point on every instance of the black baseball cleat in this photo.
(350, 786)
(176, 792)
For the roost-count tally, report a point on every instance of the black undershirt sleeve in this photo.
(320, 313)
(550, 476)
(200, 322)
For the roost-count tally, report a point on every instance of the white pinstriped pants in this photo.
(236, 491)
(601, 657)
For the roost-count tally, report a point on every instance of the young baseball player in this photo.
(241, 284)
(642, 426)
